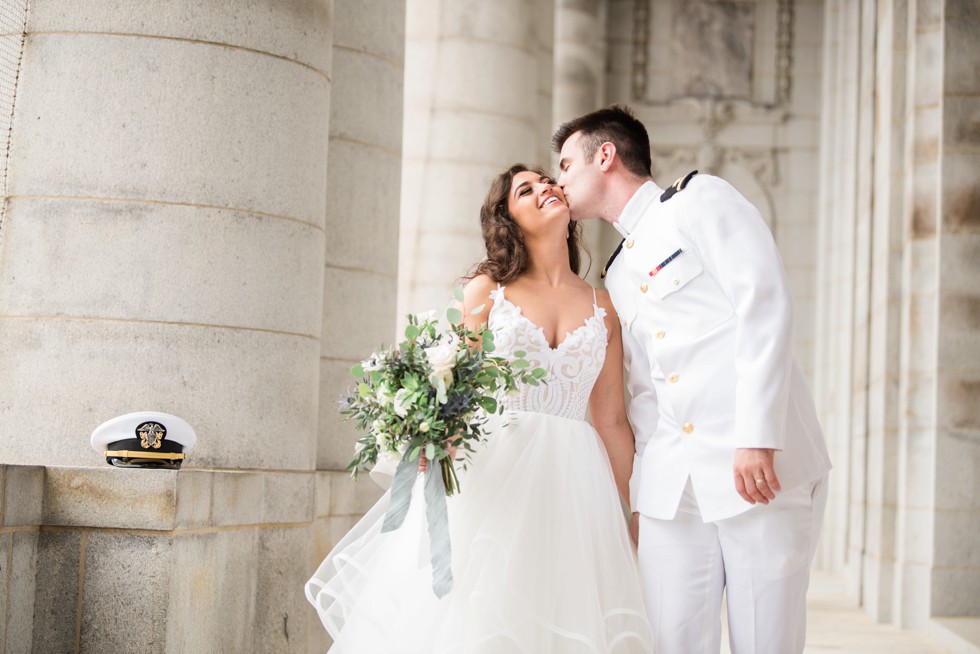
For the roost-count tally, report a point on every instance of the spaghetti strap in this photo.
(595, 300)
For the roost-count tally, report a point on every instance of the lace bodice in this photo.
(572, 367)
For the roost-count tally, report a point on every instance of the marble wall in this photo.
(897, 283)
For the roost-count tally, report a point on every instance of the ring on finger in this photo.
(759, 481)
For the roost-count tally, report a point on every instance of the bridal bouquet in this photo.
(431, 393)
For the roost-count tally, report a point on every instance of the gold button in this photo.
(688, 428)
(643, 288)
(676, 282)
(661, 334)
(629, 244)
(674, 377)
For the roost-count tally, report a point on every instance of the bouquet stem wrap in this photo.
(436, 515)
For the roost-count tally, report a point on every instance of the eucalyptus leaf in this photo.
(430, 451)
(363, 390)
(458, 292)
(357, 371)
(412, 332)
(520, 363)
(478, 310)
(520, 354)
(454, 315)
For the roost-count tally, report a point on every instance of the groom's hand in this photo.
(755, 477)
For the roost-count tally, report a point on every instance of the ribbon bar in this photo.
(665, 262)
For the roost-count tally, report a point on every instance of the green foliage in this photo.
(430, 393)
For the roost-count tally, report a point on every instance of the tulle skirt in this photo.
(541, 558)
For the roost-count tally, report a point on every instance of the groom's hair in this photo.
(617, 125)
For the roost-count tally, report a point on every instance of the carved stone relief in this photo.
(716, 48)
(712, 48)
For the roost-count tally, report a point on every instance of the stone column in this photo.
(835, 264)
(163, 248)
(919, 329)
(473, 105)
(580, 60)
(360, 286)
(163, 243)
(955, 583)
(884, 345)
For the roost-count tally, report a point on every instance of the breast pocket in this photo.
(676, 275)
(688, 297)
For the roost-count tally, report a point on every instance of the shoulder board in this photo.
(677, 186)
(612, 258)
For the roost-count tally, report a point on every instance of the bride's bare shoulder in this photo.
(603, 299)
(476, 294)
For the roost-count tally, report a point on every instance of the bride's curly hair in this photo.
(507, 255)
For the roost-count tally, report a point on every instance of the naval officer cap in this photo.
(145, 439)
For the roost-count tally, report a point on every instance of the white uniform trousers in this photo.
(762, 557)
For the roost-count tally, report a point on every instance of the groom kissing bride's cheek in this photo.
(616, 534)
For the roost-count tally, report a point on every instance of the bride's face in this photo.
(537, 204)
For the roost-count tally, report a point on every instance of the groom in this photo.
(730, 476)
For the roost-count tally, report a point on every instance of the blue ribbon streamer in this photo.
(401, 494)
(436, 515)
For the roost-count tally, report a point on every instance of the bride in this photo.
(542, 559)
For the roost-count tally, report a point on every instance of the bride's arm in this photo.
(608, 405)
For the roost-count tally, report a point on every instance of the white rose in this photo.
(426, 316)
(446, 375)
(402, 402)
(442, 358)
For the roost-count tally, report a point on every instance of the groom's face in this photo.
(579, 178)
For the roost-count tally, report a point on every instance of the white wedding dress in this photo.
(541, 557)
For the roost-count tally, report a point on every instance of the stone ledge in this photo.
(958, 635)
(168, 500)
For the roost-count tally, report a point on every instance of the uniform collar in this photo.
(636, 207)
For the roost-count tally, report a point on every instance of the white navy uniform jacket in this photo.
(708, 347)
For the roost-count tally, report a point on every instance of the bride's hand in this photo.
(424, 460)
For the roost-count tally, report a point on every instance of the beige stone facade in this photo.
(214, 209)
